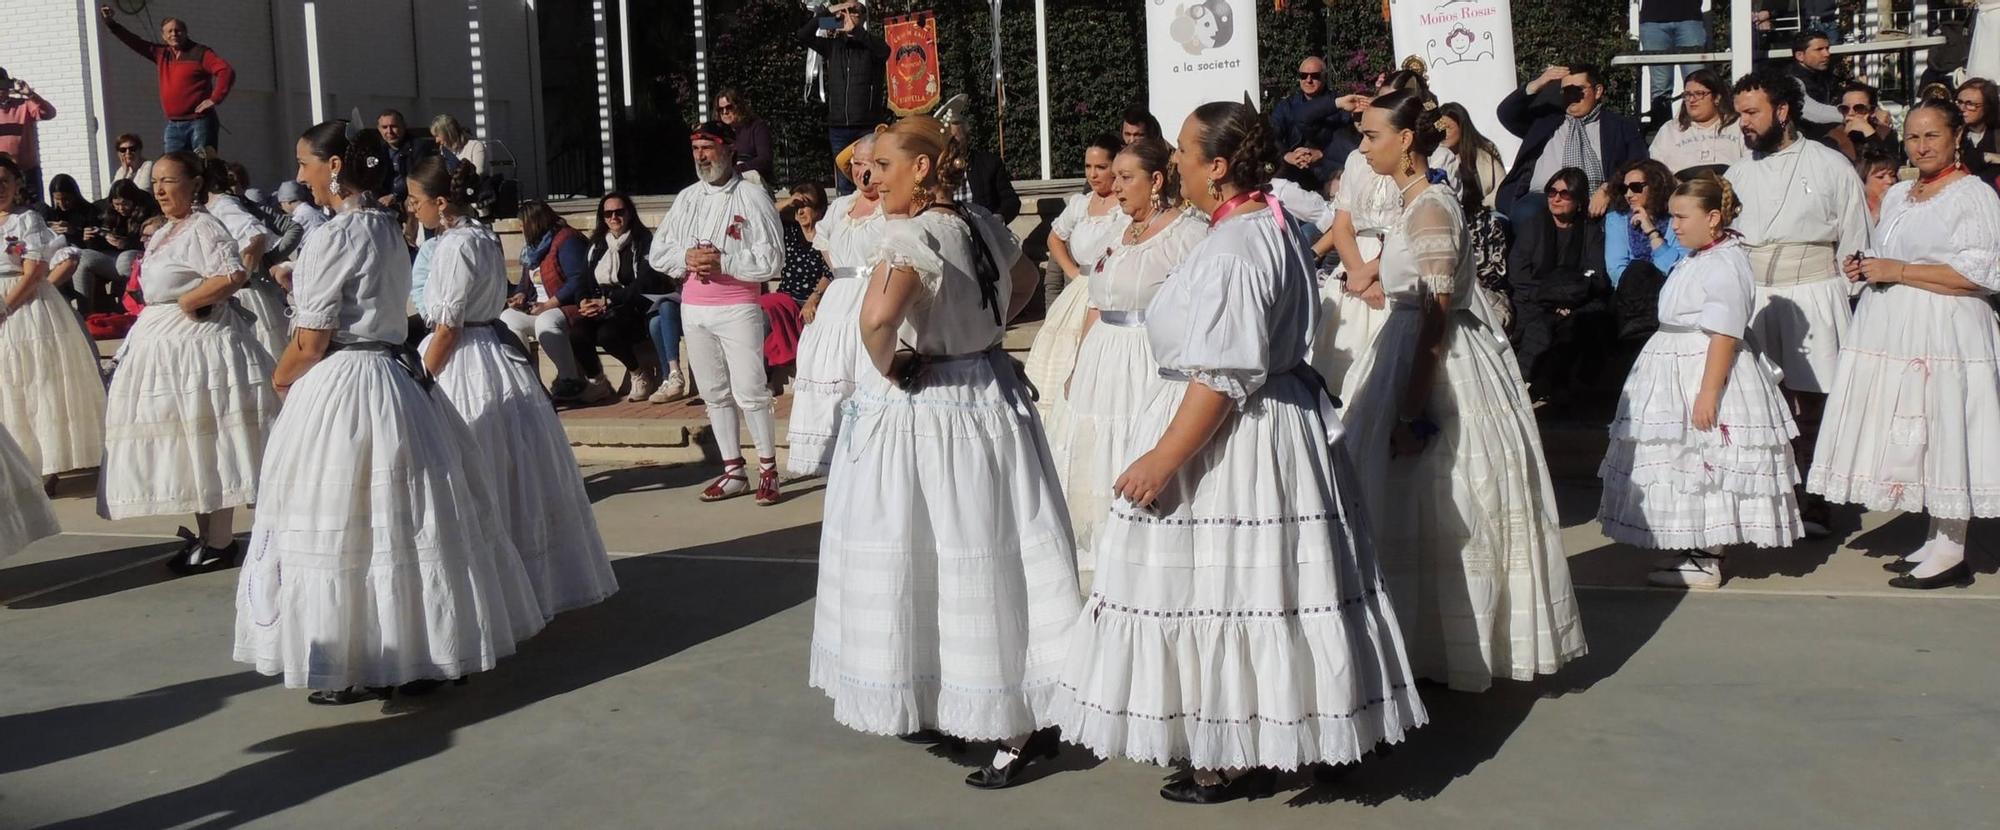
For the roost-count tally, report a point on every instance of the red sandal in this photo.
(767, 485)
(721, 488)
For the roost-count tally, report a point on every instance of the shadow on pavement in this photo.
(66, 732)
(22, 585)
(668, 602)
(1467, 730)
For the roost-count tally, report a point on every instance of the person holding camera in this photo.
(21, 108)
(856, 74)
(1565, 125)
(193, 82)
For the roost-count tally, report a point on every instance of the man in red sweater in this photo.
(193, 80)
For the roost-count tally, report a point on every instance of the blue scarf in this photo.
(533, 254)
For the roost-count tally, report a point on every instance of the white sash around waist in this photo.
(1123, 319)
(1791, 263)
(849, 273)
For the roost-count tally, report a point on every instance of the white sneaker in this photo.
(1691, 570)
(672, 389)
(643, 383)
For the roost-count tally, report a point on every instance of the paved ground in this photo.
(1804, 695)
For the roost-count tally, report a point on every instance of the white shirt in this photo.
(243, 225)
(1304, 205)
(142, 177)
(1711, 291)
(308, 216)
(848, 242)
(474, 153)
(1242, 308)
(184, 253)
(705, 212)
(352, 277)
(1128, 278)
(1372, 200)
(468, 282)
(1958, 226)
(947, 317)
(1804, 194)
(1680, 149)
(26, 238)
(1090, 238)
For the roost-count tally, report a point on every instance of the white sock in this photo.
(1923, 551)
(1946, 545)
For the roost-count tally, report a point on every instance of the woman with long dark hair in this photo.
(1638, 228)
(547, 307)
(618, 248)
(1480, 171)
(1441, 421)
(1237, 621)
(487, 378)
(376, 563)
(51, 395)
(191, 405)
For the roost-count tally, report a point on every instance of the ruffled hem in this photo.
(1209, 744)
(1751, 472)
(1909, 497)
(51, 390)
(1659, 395)
(924, 703)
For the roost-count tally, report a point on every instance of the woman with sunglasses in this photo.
(754, 161)
(1864, 124)
(1704, 135)
(1561, 295)
(1638, 227)
(133, 165)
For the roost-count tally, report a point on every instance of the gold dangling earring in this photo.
(1409, 164)
(1214, 191)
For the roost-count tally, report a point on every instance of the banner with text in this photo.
(913, 63)
(1467, 46)
(1199, 51)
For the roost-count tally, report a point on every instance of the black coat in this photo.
(1535, 119)
(992, 185)
(637, 278)
(856, 74)
(1540, 276)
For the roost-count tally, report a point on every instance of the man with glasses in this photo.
(132, 162)
(856, 74)
(1979, 101)
(1312, 127)
(1804, 213)
(1562, 122)
(193, 82)
(21, 108)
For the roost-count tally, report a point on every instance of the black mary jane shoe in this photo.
(1899, 566)
(932, 737)
(350, 695)
(209, 560)
(1041, 745)
(1257, 783)
(419, 688)
(181, 563)
(1957, 576)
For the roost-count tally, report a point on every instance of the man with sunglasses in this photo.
(1804, 213)
(1562, 122)
(857, 64)
(132, 162)
(1314, 128)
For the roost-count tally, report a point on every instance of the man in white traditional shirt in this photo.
(1803, 213)
(721, 242)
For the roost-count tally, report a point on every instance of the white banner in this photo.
(1198, 51)
(1468, 48)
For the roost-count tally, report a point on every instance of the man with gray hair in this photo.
(721, 242)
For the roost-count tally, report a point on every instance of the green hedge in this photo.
(1097, 62)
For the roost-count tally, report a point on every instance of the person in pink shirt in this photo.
(21, 108)
(721, 240)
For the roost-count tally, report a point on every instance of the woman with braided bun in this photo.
(1445, 435)
(375, 565)
(1115, 374)
(1700, 454)
(947, 583)
(1237, 620)
(488, 378)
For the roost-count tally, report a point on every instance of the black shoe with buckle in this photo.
(1041, 745)
(1956, 576)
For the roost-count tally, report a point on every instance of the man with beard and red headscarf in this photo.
(1803, 213)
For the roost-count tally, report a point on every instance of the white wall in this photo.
(413, 55)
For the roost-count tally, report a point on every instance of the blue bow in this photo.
(1436, 176)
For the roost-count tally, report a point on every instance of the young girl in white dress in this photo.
(1237, 620)
(1914, 420)
(260, 296)
(830, 355)
(947, 584)
(1441, 425)
(51, 393)
(191, 404)
(376, 561)
(1700, 455)
(25, 515)
(1115, 376)
(487, 376)
(1088, 228)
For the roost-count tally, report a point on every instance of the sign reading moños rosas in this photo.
(1199, 51)
(1467, 46)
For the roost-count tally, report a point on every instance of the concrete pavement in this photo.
(1805, 694)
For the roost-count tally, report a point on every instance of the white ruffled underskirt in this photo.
(27, 516)
(830, 356)
(1092, 431)
(51, 391)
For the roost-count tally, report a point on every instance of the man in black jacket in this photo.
(1563, 125)
(856, 63)
(987, 182)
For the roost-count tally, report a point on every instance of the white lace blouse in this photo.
(1710, 291)
(27, 237)
(1128, 278)
(846, 242)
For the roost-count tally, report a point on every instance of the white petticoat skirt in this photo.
(1240, 622)
(1052, 356)
(1914, 420)
(1669, 486)
(1473, 550)
(188, 414)
(51, 392)
(24, 512)
(265, 301)
(830, 355)
(527, 457)
(947, 584)
(1091, 431)
(376, 558)
(1801, 328)
(1348, 327)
